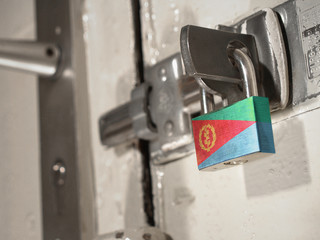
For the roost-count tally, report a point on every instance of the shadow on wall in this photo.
(123, 87)
(286, 169)
(134, 215)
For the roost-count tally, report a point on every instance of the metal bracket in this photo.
(265, 27)
(207, 57)
(168, 111)
(159, 112)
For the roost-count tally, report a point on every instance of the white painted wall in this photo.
(273, 198)
(111, 76)
(20, 200)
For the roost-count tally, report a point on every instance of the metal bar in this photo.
(116, 126)
(190, 93)
(206, 101)
(33, 57)
(67, 196)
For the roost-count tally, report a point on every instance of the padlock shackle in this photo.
(207, 101)
(240, 58)
(246, 68)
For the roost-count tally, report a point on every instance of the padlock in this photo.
(233, 135)
(242, 131)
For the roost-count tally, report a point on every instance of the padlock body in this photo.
(234, 134)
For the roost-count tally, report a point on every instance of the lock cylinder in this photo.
(116, 126)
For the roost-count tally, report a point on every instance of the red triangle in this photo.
(224, 131)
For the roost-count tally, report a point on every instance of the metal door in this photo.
(272, 198)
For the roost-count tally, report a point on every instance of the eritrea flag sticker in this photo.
(235, 131)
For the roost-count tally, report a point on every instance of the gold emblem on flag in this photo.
(207, 137)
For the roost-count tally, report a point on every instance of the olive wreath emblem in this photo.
(208, 142)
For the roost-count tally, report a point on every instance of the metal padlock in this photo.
(233, 135)
(241, 131)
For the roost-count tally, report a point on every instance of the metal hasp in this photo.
(205, 55)
(300, 21)
(33, 57)
(221, 64)
(170, 105)
(66, 171)
(159, 111)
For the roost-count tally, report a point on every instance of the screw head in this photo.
(147, 236)
(168, 128)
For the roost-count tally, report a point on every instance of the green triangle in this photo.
(249, 109)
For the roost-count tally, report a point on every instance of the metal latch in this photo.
(159, 111)
(161, 108)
